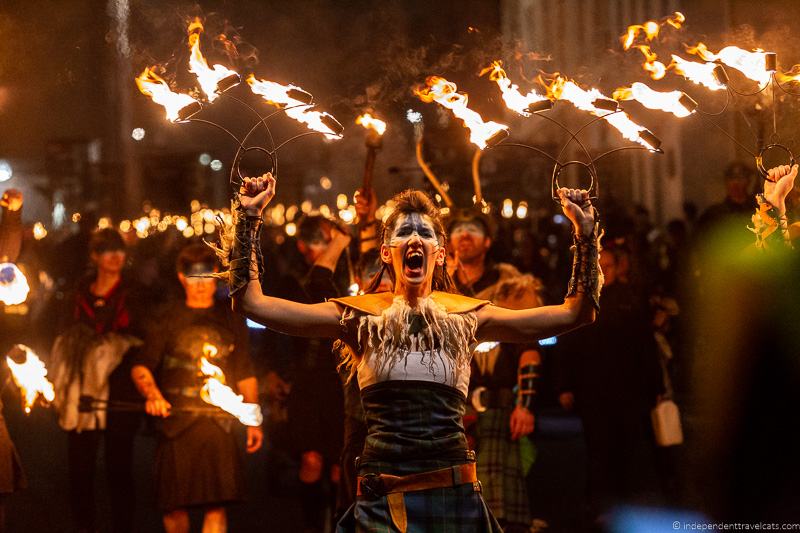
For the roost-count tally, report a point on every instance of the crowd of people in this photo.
(461, 369)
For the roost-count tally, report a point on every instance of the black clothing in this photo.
(197, 459)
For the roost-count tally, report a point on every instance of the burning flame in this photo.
(651, 29)
(657, 69)
(153, 86)
(208, 78)
(563, 89)
(14, 286)
(751, 64)
(512, 96)
(217, 393)
(284, 96)
(372, 123)
(669, 102)
(31, 378)
(444, 93)
(699, 73)
(790, 76)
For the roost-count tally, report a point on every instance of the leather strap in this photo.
(377, 485)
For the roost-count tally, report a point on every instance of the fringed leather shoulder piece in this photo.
(375, 304)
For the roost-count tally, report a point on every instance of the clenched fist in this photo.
(578, 208)
(256, 193)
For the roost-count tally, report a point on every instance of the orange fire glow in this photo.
(282, 96)
(152, 85)
(445, 93)
(372, 123)
(751, 64)
(14, 286)
(31, 378)
(668, 102)
(208, 78)
(699, 73)
(651, 29)
(656, 68)
(216, 392)
(512, 96)
(562, 88)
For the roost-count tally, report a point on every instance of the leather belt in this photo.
(374, 486)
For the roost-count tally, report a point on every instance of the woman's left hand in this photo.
(521, 422)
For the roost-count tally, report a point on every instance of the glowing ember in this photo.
(699, 73)
(178, 106)
(31, 378)
(209, 78)
(564, 89)
(444, 93)
(751, 64)
(651, 29)
(216, 393)
(14, 286)
(669, 102)
(296, 101)
(372, 123)
(512, 96)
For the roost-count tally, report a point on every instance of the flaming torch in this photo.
(296, 102)
(179, 107)
(757, 65)
(594, 102)
(30, 375)
(374, 140)
(676, 102)
(521, 104)
(14, 287)
(443, 92)
(214, 80)
(651, 29)
(217, 393)
(709, 75)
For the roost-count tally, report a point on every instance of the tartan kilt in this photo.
(459, 509)
(500, 467)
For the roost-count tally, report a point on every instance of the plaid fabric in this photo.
(500, 467)
(458, 509)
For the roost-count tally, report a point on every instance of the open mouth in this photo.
(413, 263)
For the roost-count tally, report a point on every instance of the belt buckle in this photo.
(372, 486)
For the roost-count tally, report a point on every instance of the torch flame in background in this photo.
(512, 96)
(563, 89)
(14, 286)
(651, 29)
(790, 76)
(751, 64)
(444, 93)
(156, 88)
(31, 378)
(217, 393)
(372, 123)
(207, 77)
(699, 73)
(657, 69)
(663, 101)
(278, 95)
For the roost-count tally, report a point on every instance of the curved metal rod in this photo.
(724, 108)
(476, 175)
(573, 136)
(558, 167)
(760, 158)
(782, 88)
(261, 120)
(615, 150)
(761, 90)
(226, 130)
(731, 137)
(240, 155)
(597, 118)
(529, 147)
(290, 139)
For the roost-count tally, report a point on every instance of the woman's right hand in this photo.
(256, 193)
(157, 407)
(778, 185)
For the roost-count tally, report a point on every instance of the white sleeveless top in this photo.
(430, 366)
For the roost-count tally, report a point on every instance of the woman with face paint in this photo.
(411, 350)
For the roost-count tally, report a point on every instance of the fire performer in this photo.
(770, 221)
(198, 463)
(504, 417)
(91, 357)
(411, 348)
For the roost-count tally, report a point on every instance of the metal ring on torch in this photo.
(237, 161)
(558, 167)
(760, 158)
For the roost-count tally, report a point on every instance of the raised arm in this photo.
(770, 223)
(583, 293)
(292, 318)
